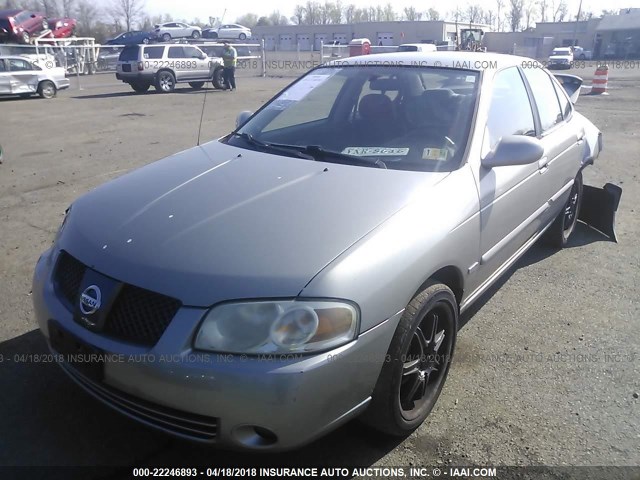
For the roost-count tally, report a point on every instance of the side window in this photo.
(17, 65)
(510, 111)
(176, 52)
(565, 103)
(192, 52)
(153, 52)
(545, 97)
(2, 69)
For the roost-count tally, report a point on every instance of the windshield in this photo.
(395, 117)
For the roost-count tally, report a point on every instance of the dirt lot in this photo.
(547, 366)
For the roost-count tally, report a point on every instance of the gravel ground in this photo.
(547, 364)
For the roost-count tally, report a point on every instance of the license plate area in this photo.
(87, 360)
(126, 67)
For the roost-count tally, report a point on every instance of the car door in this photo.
(197, 67)
(24, 76)
(513, 197)
(561, 138)
(5, 84)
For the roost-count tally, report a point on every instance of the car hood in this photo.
(218, 222)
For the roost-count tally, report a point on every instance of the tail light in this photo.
(140, 66)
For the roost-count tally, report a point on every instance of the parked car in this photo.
(108, 58)
(19, 76)
(135, 37)
(417, 47)
(581, 54)
(63, 27)
(311, 266)
(228, 31)
(21, 25)
(43, 56)
(561, 57)
(164, 66)
(167, 31)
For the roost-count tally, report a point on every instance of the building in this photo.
(611, 36)
(310, 37)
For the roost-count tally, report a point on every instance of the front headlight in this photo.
(277, 327)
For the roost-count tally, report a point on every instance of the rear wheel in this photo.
(140, 87)
(196, 85)
(557, 235)
(166, 37)
(417, 363)
(47, 89)
(165, 82)
(218, 78)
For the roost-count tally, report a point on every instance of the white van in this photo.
(417, 47)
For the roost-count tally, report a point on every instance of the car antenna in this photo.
(204, 102)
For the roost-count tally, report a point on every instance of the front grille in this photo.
(184, 424)
(69, 273)
(138, 316)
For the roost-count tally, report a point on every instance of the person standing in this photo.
(229, 60)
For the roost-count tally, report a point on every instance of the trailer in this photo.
(77, 55)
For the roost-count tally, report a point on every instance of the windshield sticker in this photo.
(437, 154)
(376, 151)
(471, 79)
(301, 89)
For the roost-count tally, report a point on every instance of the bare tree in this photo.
(276, 18)
(248, 20)
(349, 13)
(311, 13)
(544, 6)
(515, 14)
(433, 14)
(500, 6)
(127, 11)
(529, 12)
(299, 13)
(86, 13)
(389, 14)
(560, 11)
(49, 7)
(473, 13)
(68, 8)
(411, 14)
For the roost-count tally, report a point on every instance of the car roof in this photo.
(9, 13)
(15, 57)
(465, 60)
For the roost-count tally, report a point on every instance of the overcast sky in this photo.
(203, 9)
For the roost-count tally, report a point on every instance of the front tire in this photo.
(242, 36)
(417, 363)
(195, 34)
(165, 82)
(47, 89)
(557, 235)
(218, 78)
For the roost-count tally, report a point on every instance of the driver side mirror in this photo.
(242, 118)
(514, 150)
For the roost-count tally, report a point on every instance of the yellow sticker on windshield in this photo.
(437, 154)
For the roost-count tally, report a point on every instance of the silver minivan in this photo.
(164, 66)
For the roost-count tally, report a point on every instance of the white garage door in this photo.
(270, 42)
(320, 39)
(304, 42)
(286, 42)
(341, 38)
(385, 38)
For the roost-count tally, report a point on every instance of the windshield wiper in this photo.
(275, 147)
(320, 154)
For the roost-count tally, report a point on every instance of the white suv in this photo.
(163, 66)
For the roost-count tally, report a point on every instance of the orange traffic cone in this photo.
(600, 80)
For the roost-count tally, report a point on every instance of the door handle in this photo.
(543, 164)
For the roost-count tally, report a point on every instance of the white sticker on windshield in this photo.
(437, 154)
(470, 79)
(301, 89)
(376, 151)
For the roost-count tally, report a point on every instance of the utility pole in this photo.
(575, 30)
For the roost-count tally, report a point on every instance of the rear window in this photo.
(153, 52)
(130, 53)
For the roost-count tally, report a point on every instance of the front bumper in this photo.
(274, 403)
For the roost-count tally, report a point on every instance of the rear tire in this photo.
(47, 89)
(218, 78)
(196, 85)
(165, 81)
(417, 363)
(140, 87)
(557, 235)
(166, 37)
